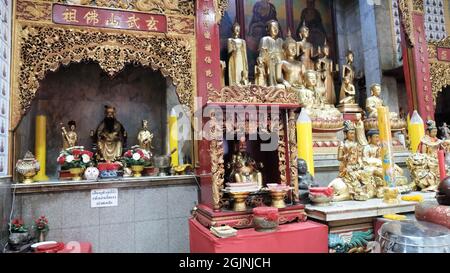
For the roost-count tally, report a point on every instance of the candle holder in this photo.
(239, 200)
(278, 199)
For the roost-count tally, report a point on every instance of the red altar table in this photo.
(304, 237)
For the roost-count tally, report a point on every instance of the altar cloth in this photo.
(304, 237)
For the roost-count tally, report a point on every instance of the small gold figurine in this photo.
(145, 137)
(260, 72)
(348, 92)
(326, 68)
(70, 137)
(244, 169)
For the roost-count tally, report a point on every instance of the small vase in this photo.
(76, 173)
(137, 170)
(42, 236)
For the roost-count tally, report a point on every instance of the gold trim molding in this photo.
(252, 94)
(43, 48)
(439, 70)
(406, 10)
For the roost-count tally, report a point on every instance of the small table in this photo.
(304, 237)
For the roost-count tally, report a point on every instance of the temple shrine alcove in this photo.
(79, 92)
(442, 113)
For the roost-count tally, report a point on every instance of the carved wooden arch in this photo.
(44, 48)
(440, 70)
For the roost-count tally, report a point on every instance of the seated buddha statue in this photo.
(374, 102)
(244, 169)
(289, 71)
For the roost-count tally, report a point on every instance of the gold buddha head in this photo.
(236, 29)
(375, 90)
(303, 32)
(273, 28)
(290, 46)
(310, 78)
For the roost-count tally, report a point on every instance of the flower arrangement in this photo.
(75, 157)
(137, 157)
(17, 226)
(41, 224)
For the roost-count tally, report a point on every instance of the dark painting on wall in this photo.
(226, 24)
(257, 14)
(317, 16)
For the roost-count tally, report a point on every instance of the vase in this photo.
(42, 236)
(137, 170)
(76, 173)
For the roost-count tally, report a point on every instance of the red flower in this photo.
(128, 154)
(61, 160)
(140, 153)
(272, 216)
(90, 154)
(76, 152)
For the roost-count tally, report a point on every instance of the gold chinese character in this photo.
(132, 22)
(444, 55)
(208, 47)
(207, 35)
(113, 22)
(151, 24)
(91, 17)
(205, 24)
(206, 12)
(70, 16)
(208, 73)
(208, 60)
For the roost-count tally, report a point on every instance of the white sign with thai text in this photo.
(104, 198)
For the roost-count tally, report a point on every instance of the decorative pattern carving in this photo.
(217, 161)
(418, 5)
(182, 7)
(180, 25)
(292, 128)
(44, 49)
(34, 11)
(434, 19)
(432, 51)
(440, 77)
(220, 7)
(282, 153)
(253, 94)
(407, 21)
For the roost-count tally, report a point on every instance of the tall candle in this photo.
(304, 140)
(416, 131)
(441, 158)
(384, 126)
(173, 137)
(41, 147)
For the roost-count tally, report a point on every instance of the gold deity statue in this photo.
(145, 137)
(306, 94)
(305, 49)
(325, 67)
(244, 169)
(110, 136)
(430, 144)
(70, 137)
(374, 102)
(360, 130)
(237, 61)
(260, 72)
(271, 51)
(348, 92)
(289, 72)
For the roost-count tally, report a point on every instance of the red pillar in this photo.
(208, 77)
(416, 68)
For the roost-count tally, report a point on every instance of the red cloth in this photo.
(305, 237)
(77, 247)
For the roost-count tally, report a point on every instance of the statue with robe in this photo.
(70, 137)
(110, 136)
(271, 51)
(237, 61)
(145, 137)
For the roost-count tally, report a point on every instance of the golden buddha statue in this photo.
(237, 61)
(289, 72)
(360, 131)
(348, 92)
(271, 51)
(305, 49)
(244, 169)
(110, 137)
(374, 102)
(325, 67)
(347, 69)
(145, 137)
(307, 94)
(70, 137)
(260, 73)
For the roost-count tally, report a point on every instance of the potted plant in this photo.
(41, 227)
(75, 159)
(18, 232)
(137, 158)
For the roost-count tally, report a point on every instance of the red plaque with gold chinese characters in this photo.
(443, 54)
(108, 18)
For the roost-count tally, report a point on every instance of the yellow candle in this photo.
(304, 140)
(173, 137)
(384, 126)
(416, 131)
(41, 147)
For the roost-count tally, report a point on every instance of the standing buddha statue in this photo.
(305, 49)
(145, 137)
(271, 51)
(237, 62)
(325, 67)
